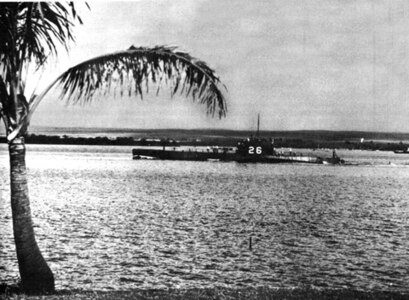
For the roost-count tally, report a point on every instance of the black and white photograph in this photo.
(204, 149)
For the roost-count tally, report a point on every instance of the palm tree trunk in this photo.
(36, 276)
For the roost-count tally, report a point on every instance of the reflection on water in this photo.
(104, 221)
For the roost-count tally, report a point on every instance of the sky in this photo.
(301, 65)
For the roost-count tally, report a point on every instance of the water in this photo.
(104, 221)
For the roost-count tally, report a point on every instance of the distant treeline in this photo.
(209, 141)
(69, 140)
(351, 145)
(103, 141)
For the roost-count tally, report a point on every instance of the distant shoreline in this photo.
(225, 138)
(307, 134)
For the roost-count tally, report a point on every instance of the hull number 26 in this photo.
(255, 150)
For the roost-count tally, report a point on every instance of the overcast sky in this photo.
(318, 64)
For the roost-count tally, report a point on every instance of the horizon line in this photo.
(127, 129)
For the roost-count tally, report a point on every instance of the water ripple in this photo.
(106, 222)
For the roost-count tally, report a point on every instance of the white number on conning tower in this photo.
(259, 150)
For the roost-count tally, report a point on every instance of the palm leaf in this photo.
(32, 30)
(42, 25)
(131, 69)
(138, 66)
(30, 33)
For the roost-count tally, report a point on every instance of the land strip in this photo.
(208, 137)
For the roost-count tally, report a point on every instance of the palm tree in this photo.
(30, 32)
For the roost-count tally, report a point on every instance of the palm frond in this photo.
(32, 30)
(134, 69)
(42, 25)
(30, 33)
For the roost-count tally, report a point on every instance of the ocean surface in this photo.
(106, 222)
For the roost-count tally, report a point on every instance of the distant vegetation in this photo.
(174, 137)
